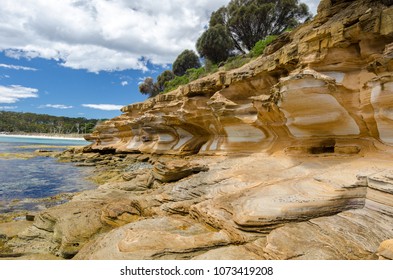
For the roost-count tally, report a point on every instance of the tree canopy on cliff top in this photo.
(186, 60)
(248, 21)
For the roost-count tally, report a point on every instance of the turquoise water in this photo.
(42, 141)
(25, 182)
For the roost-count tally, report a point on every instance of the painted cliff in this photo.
(287, 157)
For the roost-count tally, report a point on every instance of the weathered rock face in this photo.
(331, 79)
(319, 103)
(313, 121)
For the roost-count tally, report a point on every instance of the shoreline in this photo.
(39, 136)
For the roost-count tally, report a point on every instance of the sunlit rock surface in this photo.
(287, 157)
(329, 79)
(314, 114)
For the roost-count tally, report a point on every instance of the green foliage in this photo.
(164, 77)
(218, 17)
(176, 82)
(39, 123)
(149, 87)
(236, 62)
(190, 75)
(195, 73)
(215, 44)
(210, 67)
(186, 60)
(248, 21)
(260, 46)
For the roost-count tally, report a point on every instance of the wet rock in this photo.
(305, 132)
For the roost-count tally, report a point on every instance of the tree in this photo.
(148, 87)
(215, 44)
(164, 77)
(186, 60)
(248, 21)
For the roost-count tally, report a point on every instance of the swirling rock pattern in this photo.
(331, 79)
(299, 167)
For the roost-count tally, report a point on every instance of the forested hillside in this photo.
(38, 123)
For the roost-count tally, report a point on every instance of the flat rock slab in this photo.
(160, 238)
(293, 201)
(229, 253)
(61, 230)
(174, 170)
(11, 229)
(354, 234)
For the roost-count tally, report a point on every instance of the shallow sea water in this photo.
(25, 182)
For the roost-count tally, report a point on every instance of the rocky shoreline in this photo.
(191, 207)
(287, 157)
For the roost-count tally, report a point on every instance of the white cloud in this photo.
(17, 67)
(100, 34)
(13, 93)
(56, 106)
(4, 77)
(8, 107)
(124, 83)
(104, 107)
(312, 4)
(105, 34)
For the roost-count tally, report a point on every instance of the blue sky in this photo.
(85, 58)
(43, 86)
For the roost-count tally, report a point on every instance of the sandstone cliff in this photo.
(299, 167)
(326, 86)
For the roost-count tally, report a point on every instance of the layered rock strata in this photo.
(325, 87)
(299, 167)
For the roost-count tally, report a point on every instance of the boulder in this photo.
(174, 170)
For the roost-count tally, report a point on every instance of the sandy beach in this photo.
(39, 136)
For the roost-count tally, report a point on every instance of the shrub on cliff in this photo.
(164, 77)
(186, 60)
(149, 87)
(190, 75)
(261, 45)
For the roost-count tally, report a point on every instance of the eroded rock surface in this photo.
(287, 157)
(331, 81)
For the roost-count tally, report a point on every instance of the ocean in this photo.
(26, 183)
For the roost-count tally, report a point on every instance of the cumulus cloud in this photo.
(124, 83)
(17, 67)
(103, 35)
(14, 93)
(104, 107)
(56, 106)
